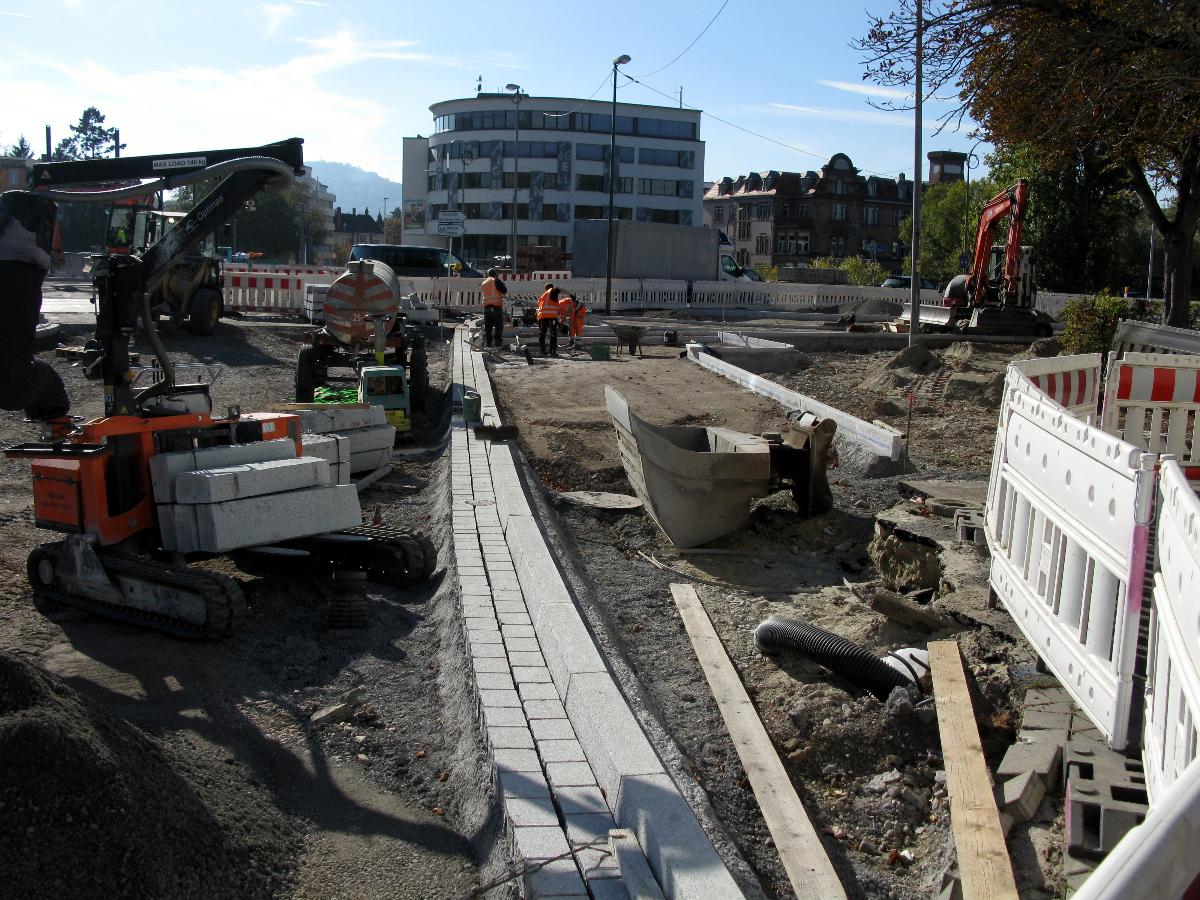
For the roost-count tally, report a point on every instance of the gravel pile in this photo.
(92, 807)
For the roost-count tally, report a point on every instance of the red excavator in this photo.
(107, 485)
(997, 296)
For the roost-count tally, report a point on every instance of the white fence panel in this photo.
(1073, 382)
(1169, 740)
(1068, 524)
(251, 290)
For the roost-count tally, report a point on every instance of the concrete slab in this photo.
(558, 750)
(552, 730)
(680, 854)
(534, 690)
(220, 527)
(611, 737)
(569, 774)
(526, 674)
(165, 466)
(567, 644)
(510, 738)
(516, 761)
(369, 460)
(250, 480)
(559, 878)
(503, 717)
(597, 860)
(527, 811)
(525, 785)
(339, 418)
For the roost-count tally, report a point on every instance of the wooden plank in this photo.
(636, 876)
(983, 860)
(808, 867)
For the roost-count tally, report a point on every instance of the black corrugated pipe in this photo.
(833, 652)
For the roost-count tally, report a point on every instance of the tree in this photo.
(1118, 78)
(91, 138)
(1084, 222)
(21, 149)
(949, 220)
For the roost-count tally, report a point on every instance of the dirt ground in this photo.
(392, 803)
(871, 777)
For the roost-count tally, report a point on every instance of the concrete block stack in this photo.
(219, 499)
(368, 437)
(334, 449)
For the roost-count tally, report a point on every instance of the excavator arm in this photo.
(1010, 202)
(123, 282)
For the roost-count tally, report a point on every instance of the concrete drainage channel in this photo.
(571, 761)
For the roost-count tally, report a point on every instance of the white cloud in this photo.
(862, 116)
(4, 12)
(275, 15)
(868, 90)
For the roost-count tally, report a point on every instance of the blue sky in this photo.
(352, 77)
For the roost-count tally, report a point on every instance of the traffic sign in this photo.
(452, 217)
(448, 229)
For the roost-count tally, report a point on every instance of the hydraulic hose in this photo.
(282, 178)
(844, 657)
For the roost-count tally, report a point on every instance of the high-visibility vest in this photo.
(566, 309)
(491, 293)
(547, 307)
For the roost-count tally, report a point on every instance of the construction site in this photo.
(738, 591)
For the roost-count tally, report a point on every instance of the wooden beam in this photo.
(808, 867)
(983, 861)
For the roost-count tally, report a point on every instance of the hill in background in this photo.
(356, 188)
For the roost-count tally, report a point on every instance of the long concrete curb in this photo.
(572, 761)
(882, 441)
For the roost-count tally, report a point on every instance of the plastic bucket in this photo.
(472, 406)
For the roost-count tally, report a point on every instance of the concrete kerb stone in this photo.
(613, 740)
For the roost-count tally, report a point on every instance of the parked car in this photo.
(415, 262)
(905, 281)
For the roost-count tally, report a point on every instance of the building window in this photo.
(870, 215)
(762, 245)
(762, 212)
(785, 211)
(743, 212)
(601, 212)
(801, 212)
(743, 231)
(871, 188)
(839, 186)
(651, 157)
(837, 246)
(718, 215)
(802, 243)
(899, 216)
(662, 216)
(599, 152)
(743, 257)
(659, 187)
(839, 212)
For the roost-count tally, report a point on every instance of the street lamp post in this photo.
(385, 217)
(967, 205)
(914, 294)
(612, 183)
(516, 99)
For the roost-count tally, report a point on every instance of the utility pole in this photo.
(612, 183)
(914, 322)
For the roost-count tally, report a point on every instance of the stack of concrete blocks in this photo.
(369, 438)
(334, 449)
(219, 499)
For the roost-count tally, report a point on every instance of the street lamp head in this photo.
(512, 87)
(621, 60)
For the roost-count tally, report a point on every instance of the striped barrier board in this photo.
(1152, 400)
(252, 291)
(1150, 337)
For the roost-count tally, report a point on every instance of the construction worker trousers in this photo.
(26, 382)
(548, 326)
(493, 323)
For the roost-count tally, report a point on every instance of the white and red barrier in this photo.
(254, 291)
(283, 269)
(542, 276)
(1152, 400)
(1068, 524)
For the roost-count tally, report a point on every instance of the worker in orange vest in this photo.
(566, 309)
(493, 308)
(578, 317)
(547, 315)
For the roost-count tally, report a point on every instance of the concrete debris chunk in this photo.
(1022, 796)
(338, 712)
(881, 782)
(1041, 755)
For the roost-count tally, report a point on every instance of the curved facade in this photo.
(558, 148)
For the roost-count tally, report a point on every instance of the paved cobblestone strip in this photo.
(534, 749)
(569, 737)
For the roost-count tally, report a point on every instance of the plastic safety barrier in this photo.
(253, 291)
(1068, 524)
(1149, 337)
(1152, 400)
(1170, 737)
(283, 269)
(1073, 382)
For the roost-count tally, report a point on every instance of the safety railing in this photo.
(1152, 400)
(1068, 524)
(1173, 659)
(282, 269)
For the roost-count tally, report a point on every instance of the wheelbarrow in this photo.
(629, 337)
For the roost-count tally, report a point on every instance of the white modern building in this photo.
(320, 199)
(558, 150)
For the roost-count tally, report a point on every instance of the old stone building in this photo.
(790, 219)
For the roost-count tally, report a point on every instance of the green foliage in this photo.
(826, 262)
(91, 137)
(21, 149)
(1084, 223)
(863, 272)
(1091, 322)
(949, 220)
(767, 271)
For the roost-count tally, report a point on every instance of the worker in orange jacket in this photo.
(493, 308)
(578, 317)
(566, 309)
(547, 316)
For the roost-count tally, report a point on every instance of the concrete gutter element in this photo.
(572, 761)
(741, 340)
(697, 483)
(879, 439)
